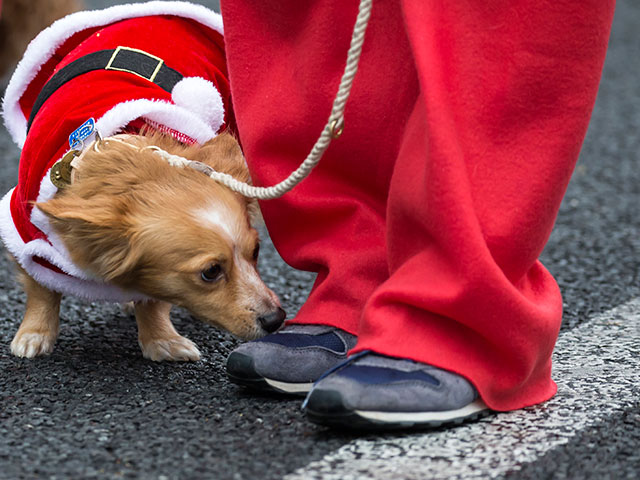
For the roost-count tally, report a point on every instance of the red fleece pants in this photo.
(425, 220)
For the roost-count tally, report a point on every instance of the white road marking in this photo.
(597, 368)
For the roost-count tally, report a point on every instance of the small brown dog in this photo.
(172, 234)
(124, 222)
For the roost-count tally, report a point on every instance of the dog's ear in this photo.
(96, 234)
(71, 209)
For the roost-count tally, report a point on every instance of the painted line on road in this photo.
(597, 368)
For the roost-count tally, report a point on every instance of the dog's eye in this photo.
(256, 251)
(211, 274)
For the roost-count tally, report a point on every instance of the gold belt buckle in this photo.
(120, 49)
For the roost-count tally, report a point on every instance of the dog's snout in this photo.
(272, 321)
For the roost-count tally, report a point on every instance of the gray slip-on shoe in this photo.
(290, 360)
(371, 391)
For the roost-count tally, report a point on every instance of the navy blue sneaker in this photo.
(290, 360)
(371, 391)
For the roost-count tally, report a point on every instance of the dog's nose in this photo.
(272, 321)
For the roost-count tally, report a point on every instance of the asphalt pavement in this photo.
(95, 408)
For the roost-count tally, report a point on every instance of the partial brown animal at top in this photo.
(22, 20)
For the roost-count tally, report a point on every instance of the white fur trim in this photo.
(90, 290)
(159, 111)
(201, 97)
(46, 43)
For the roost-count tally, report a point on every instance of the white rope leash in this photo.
(333, 128)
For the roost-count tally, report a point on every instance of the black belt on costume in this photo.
(121, 59)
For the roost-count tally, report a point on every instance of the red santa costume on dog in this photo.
(170, 74)
(426, 218)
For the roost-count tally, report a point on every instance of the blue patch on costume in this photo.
(80, 134)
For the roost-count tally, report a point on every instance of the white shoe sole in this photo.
(424, 417)
(285, 387)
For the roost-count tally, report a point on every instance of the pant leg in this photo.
(507, 89)
(285, 60)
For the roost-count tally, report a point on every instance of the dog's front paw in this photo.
(32, 344)
(177, 349)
